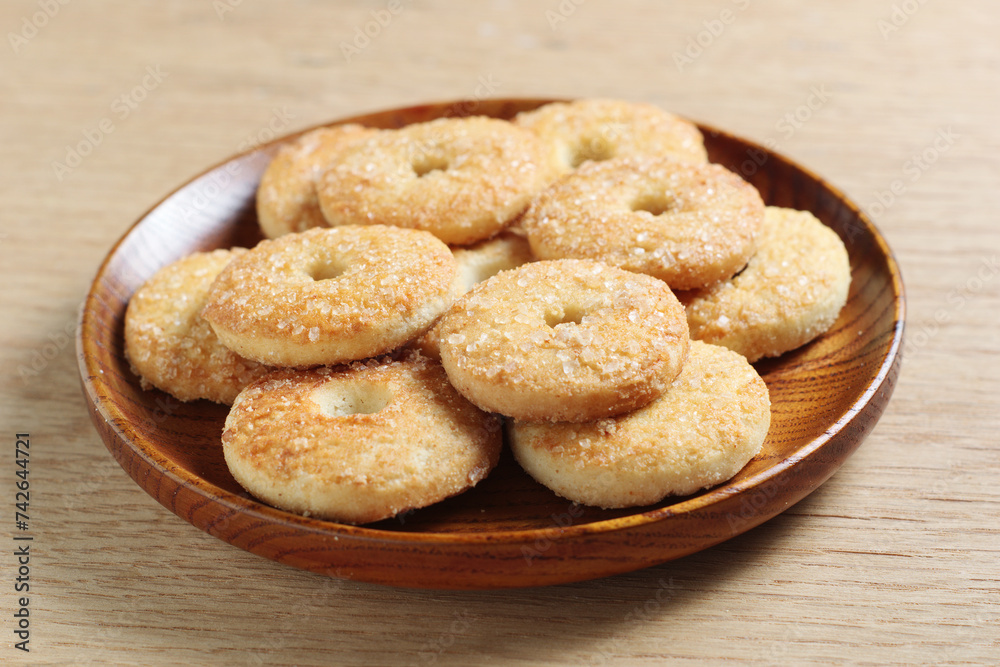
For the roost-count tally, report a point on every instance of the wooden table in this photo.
(110, 105)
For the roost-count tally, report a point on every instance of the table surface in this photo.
(110, 105)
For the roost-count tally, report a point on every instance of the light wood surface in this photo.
(893, 560)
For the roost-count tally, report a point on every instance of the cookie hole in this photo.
(569, 315)
(326, 271)
(425, 164)
(654, 204)
(338, 399)
(595, 149)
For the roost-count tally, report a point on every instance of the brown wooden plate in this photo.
(508, 531)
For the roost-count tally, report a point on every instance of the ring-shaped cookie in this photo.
(703, 430)
(462, 179)
(567, 340)
(790, 292)
(690, 225)
(476, 263)
(601, 129)
(485, 259)
(286, 198)
(170, 347)
(328, 296)
(358, 443)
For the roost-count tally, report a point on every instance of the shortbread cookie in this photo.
(329, 296)
(601, 129)
(286, 198)
(170, 346)
(790, 292)
(462, 179)
(706, 427)
(568, 340)
(690, 225)
(358, 443)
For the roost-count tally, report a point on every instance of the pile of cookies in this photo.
(581, 278)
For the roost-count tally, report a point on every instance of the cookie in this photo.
(358, 443)
(790, 292)
(702, 431)
(170, 347)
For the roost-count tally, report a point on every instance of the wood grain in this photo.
(891, 561)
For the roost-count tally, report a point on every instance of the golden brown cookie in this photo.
(328, 296)
(462, 179)
(170, 346)
(710, 422)
(358, 443)
(690, 225)
(601, 129)
(790, 292)
(568, 340)
(286, 198)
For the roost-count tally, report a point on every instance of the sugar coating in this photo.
(170, 346)
(704, 429)
(358, 443)
(462, 179)
(790, 292)
(566, 340)
(690, 225)
(286, 198)
(601, 129)
(332, 295)
(476, 263)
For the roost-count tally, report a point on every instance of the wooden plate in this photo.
(508, 531)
